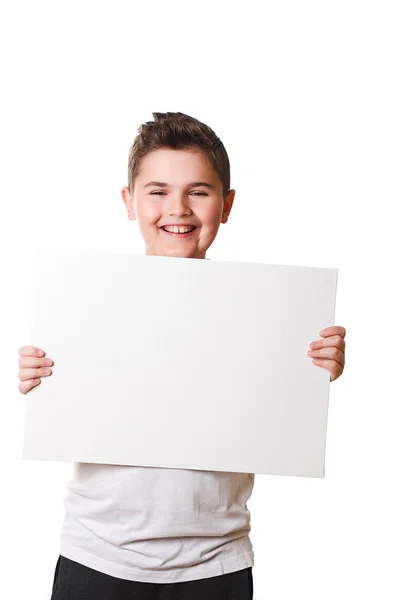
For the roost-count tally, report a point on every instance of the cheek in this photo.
(211, 218)
(210, 214)
(148, 214)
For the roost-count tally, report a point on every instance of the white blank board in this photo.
(179, 363)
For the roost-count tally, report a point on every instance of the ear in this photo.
(228, 201)
(128, 201)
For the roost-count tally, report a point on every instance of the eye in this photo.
(158, 193)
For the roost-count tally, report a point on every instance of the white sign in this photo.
(179, 363)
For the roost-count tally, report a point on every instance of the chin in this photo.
(181, 253)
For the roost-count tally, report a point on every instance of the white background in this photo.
(305, 96)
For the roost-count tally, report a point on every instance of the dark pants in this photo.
(73, 581)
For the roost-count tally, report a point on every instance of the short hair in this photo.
(178, 131)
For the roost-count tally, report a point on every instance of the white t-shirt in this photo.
(157, 525)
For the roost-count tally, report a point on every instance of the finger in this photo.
(333, 367)
(26, 374)
(335, 340)
(30, 351)
(26, 362)
(334, 330)
(332, 353)
(27, 385)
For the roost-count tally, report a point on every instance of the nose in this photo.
(178, 205)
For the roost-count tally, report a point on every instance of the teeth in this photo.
(178, 229)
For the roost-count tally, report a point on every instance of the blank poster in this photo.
(179, 363)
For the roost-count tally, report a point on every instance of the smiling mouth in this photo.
(179, 229)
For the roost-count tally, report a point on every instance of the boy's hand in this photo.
(33, 365)
(329, 352)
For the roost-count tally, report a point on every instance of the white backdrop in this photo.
(305, 97)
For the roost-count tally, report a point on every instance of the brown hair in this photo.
(178, 131)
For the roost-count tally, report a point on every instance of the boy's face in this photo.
(168, 194)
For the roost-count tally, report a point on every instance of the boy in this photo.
(139, 532)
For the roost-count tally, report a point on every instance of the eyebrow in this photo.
(193, 184)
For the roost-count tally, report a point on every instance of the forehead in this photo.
(176, 167)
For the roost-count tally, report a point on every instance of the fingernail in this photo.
(40, 353)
